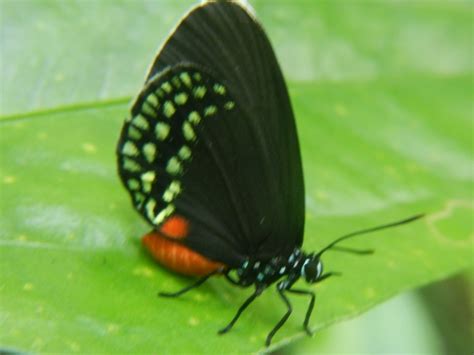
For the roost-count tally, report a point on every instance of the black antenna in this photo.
(365, 231)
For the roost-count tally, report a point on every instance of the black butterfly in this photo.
(211, 159)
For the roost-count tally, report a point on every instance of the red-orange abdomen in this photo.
(176, 256)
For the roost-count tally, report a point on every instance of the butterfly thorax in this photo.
(263, 273)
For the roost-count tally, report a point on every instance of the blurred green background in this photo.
(383, 97)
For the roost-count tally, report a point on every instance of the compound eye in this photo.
(312, 269)
(319, 269)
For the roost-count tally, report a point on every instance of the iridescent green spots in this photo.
(134, 133)
(210, 110)
(173, 166)
(168, 109)
(133, 184)
(147, 179)
(172, 191)
(184, 153)
(188, 131)
(149, 176)
(140, 122)
(138, 198)
(150, 208)
(162, 130)
(186, 79)
(167, 196)
(149, 150)
(194, 117)
(175, 187)
(148, 109)
(146, 187)
(152, 100)
(199, 92)
(129, 149)
(131, 165)
(219, 89)
(176, 82)
(160, 93)
(164, 214)
(229, 105)
(181, 98)
(166, 86)
(197, 76)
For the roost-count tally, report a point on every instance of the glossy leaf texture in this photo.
(382, 95)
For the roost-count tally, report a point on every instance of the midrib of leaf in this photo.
(112, 102)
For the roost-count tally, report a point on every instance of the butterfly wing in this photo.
(212, 138)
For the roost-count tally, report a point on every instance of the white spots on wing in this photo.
(199, 91)
(172, 191)
(130, 149)
(140, 122)
(168, 109)
(149, 151)
(188, 131)
(133, 184)
(194, 117)
(165, 213)
(166, 86)
(181, 98)
(219, 89)
(184, 153)
(162, 130)
(229, 105)
(186, 79)
(131, 165)
(150, 208)
(173, 166)
(210, 110)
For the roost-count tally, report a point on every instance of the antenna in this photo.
(365, 231)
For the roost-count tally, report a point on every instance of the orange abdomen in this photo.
(176, 256)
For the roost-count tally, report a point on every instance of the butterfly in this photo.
(210, 157)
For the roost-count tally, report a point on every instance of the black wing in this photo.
(226, 154)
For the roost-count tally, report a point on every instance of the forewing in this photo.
(242, 186)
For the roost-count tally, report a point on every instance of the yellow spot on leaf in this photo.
(321, 195)
(143, 271)
(112, 328)
(42, 135)
(89, 148)
(369, 292)
(22, 238)
(59, 77)
(9, 179)
(340, 110)
(193, 321)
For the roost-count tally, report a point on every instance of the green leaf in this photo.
(383, 98)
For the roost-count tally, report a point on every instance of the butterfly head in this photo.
(312, 268)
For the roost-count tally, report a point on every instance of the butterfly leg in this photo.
(312, 300)
(231, 280)
(310, 307)
(242, 308)
(282, 321)
(198, 283)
